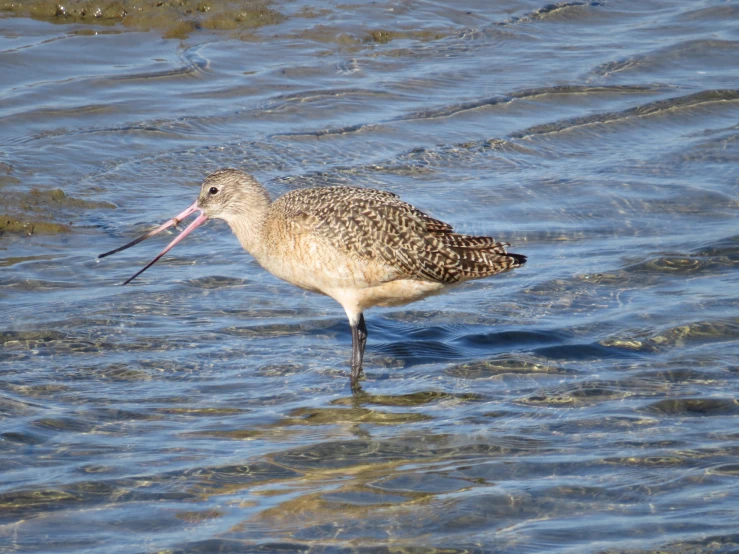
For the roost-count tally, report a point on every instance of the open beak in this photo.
(197, 222)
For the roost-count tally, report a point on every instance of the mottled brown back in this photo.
(378, 226)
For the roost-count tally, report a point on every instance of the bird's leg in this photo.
(359, 340)
(362, 328)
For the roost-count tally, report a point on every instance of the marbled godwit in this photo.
(361, 247)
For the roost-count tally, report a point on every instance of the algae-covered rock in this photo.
(39, 198)
(39, 211)
(10, 224)
(174, 18)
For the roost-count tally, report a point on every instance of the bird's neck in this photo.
(249, 227)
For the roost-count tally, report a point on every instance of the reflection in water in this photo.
(586, 402)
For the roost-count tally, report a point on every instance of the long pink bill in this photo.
(171, 223)
(197, 222)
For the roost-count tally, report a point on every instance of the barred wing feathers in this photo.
(378, 226)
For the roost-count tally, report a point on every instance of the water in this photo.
(584, 403)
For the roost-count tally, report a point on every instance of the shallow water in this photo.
(586, 402)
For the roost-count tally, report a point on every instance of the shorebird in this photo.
(362, 247)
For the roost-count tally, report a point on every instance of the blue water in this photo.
(586, 402)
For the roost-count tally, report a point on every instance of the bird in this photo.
(362, 247)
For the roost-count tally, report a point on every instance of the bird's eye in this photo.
(213, 190)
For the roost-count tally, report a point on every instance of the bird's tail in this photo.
(520, 259)
(483, 256)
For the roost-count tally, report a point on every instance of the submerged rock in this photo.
(174, 19)
(40, 211)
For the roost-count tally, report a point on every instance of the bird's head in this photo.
(230, 194)
(227, 194)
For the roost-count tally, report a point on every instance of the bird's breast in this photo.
(314, 264)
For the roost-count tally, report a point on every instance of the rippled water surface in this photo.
(584, 403)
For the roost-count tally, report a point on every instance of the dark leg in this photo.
(362, 328)
(359, 340)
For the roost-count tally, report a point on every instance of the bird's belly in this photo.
(320, 269)
(393, 293)
(356, 283)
